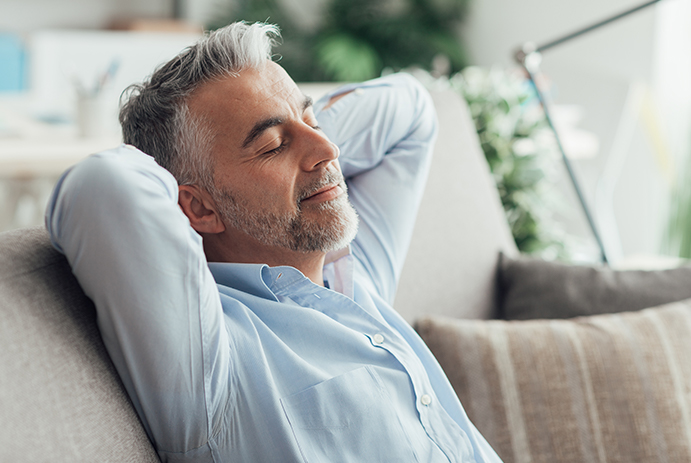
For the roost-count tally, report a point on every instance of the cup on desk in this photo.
(92, 118)
(92, 108)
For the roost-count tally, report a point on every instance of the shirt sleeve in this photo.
(116, 219)
(385, 129)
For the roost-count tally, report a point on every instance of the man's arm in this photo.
(115, 217)
(385, 129)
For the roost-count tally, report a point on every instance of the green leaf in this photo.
(346, 58)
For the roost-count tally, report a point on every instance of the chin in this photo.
(333, 229)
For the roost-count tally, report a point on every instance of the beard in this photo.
(324, 227)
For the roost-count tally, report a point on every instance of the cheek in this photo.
(272, 185)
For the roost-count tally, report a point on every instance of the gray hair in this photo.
(155, 116)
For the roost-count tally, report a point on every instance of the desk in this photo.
(20, 158)
(33, 154)
(29, 170)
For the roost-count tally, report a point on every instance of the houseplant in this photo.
(521, 153)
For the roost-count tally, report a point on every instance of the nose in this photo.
(318, 151)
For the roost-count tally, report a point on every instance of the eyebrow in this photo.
(263, 125)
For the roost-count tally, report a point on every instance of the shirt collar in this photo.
(248, 278)
(338, 271)
(261, 280)
(333, 256)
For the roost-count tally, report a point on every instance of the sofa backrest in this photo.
(461, 227)
(60, 397)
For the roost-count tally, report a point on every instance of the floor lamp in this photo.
(529, 56)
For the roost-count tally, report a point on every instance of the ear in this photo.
(200, 209)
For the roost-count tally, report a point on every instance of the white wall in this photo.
(596, 71)
(24, 16)
(672, 71)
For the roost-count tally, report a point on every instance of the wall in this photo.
(24, 16)
(606, 72)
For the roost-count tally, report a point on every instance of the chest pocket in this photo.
(346, 419)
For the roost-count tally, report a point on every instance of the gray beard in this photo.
(333, 229)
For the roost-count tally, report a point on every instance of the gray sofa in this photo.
(61, 399)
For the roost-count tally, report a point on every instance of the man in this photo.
(247, 314)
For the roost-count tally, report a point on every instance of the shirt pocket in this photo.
(349, 418)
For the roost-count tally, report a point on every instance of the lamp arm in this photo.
(529, 57)
(531, 48)
(569, 168)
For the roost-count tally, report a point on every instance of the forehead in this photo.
(232, 104)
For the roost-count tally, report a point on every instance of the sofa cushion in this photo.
(532, 288)
(60, 397)
(602, 388)
(460, 228)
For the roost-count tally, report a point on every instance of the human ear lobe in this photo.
(200, 209)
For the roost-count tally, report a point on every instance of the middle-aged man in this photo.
(249, 317)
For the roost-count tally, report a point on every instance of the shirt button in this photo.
(359, 91)
(378, 339)
(425, 400)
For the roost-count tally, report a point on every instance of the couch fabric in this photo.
(460, 230)
(531, 288)
(605, 388)
(60, 397)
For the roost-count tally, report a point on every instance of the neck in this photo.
(247, 250)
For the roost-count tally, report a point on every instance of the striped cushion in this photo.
(605, 388)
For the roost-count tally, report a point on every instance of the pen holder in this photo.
(91, 115)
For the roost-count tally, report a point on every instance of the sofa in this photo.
(611, 384)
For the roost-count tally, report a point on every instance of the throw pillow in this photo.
(532, 288)
(593, 389)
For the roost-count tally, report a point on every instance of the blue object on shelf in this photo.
(12, 73)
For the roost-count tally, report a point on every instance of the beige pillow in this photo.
(605, 388)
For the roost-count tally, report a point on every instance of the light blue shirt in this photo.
(230, 362)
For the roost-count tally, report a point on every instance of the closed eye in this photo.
(276, 150)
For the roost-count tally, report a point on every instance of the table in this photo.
(34, 151)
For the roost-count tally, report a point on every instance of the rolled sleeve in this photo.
(115, 217)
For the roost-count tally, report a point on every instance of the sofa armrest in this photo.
(60, 396)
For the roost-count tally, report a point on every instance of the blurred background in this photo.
(620, 97)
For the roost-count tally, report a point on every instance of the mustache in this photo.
(329, 178)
